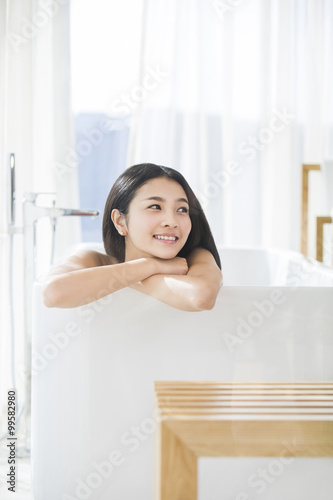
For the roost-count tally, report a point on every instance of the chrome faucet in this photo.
(32, 212)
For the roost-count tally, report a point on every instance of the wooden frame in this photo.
(200, 419)
(305, 204)
(320, 236)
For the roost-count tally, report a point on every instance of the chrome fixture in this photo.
(11, 178)
(32, 212)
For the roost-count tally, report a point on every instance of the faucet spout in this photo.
(65, 212)
(33, 212)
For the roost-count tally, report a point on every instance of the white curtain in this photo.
(241, 96)
(35, 125)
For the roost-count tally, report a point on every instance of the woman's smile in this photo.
(168, 238)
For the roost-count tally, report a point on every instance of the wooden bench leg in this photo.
(176, 474)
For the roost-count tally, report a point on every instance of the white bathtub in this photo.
(94, 368)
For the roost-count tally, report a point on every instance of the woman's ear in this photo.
(119, 222)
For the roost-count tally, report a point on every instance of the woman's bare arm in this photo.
(89, 275)
(196, 291)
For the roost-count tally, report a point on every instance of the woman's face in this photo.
(158, 221)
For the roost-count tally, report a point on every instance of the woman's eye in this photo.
(181, 209)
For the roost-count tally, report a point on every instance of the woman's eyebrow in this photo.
(158, 198)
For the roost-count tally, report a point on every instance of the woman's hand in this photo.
(177, 265)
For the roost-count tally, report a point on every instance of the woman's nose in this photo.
(169, 221)
(170, 224)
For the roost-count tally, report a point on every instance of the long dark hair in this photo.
(124, 190)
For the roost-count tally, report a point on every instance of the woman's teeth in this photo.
(171, 238)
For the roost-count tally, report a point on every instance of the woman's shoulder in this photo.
(94, 258)
(82, 259)
(103, 258)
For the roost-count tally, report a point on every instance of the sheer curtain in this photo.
(241, 98)
(35, 124)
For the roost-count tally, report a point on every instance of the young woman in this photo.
(157, 240)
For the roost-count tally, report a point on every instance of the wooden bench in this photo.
(218, 419)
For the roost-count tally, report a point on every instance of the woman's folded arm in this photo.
(89, 276)
(189, 285)
(196, 291)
